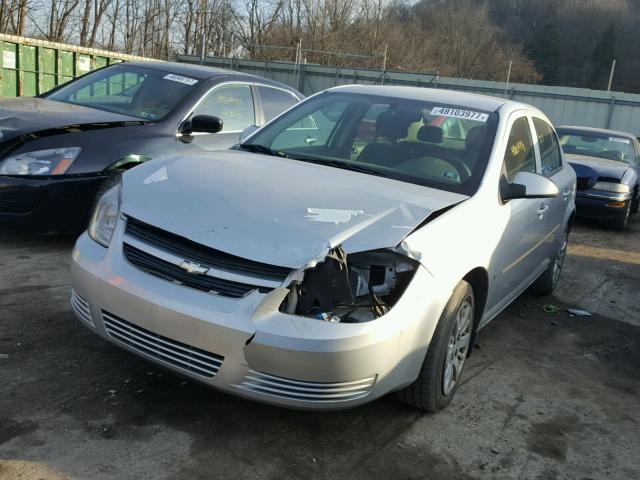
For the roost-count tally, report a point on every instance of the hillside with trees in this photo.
(569, 42)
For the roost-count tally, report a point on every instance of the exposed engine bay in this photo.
(350, 289)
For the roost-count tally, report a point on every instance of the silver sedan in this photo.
(352, 247)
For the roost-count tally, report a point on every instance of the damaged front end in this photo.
(353, 288)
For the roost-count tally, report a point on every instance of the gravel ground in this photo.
(544, 396)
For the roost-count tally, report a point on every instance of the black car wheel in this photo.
(442, 367)
(622, 221)
(635, 203)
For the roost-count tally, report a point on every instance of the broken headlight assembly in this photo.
(350, 288)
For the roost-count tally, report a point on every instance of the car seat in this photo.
(390, 127)
(473, 145)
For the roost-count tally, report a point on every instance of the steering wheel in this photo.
(463, 170)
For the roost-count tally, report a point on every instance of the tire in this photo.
(622, 221)
(635, 203)
(547, 282)
(442, 368)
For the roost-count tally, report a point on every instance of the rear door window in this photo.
(275, 101)
(550, 156)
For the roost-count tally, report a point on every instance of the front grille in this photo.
(7, 206)
(81, 308)
(584, 183)
(177, 354)
(205, 256)
(289, 389)
(173, 273)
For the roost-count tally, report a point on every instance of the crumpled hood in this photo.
(274, 210)
(594, 167)
(19, 116)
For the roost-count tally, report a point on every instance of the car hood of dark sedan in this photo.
(595, 168)
(275, 210)
(19, 116)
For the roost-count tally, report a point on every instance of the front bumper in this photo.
(598, 205)
(246, 346)
(47, 204)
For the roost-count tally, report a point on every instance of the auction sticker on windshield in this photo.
(457, 113)
(620, 140)
(180, 78)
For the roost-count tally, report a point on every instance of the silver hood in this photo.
(274, 210)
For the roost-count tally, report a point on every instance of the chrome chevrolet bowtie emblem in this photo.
(193, 267)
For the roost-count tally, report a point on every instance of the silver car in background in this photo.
(352, 247)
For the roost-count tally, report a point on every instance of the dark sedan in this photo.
(606, 164)
(58, 150)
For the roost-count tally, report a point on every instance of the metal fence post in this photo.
(612, 106)
(301, 77)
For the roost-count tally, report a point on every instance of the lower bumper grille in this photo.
(7, 206)
(281, 387)
(81, 308)
(177, 354)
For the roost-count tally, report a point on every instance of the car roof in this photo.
(435, 95)
(596, 130)
(204, 72)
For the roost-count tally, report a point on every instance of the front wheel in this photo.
(622, 221)
(442, 367)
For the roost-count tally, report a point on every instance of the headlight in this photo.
(611, 187)
(54, 161)
(105, 216)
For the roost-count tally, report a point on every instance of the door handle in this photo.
(543, 208)
(310, 140)
(566, 194)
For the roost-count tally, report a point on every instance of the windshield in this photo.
(140, 92)
(594, 144)
(436, 145)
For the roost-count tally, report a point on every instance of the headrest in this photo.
(408, 114)
(430, 134)
(395, 124)
(384, 124)
(475, 137)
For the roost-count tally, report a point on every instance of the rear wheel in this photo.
(547, 282)
(441, 371)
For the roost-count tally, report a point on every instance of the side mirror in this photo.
(528, 185)
(248, 131)
(202, 124)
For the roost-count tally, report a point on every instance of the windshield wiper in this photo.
(256, 147)
(344, 165)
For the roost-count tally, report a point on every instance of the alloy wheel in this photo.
(458, 346)
(560, 256)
